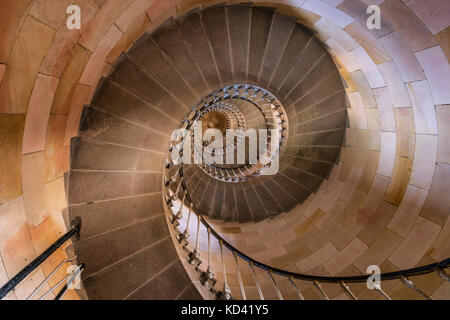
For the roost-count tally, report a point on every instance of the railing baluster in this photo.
(207, 275)
(347, 290)
(444, 275)
(238, 273)
(261, 297)
(35, 291)
(291, 280)
(226, 294)
(319, 287)
(185, 235)
(195, 255)
(280, 297)
(407, 282)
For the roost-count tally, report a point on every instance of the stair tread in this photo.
(101, 126)
(119, 243)
(280, 32)
(110, 284)
(197, 43)
(95, 155)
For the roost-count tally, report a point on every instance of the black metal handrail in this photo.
(352, 279)
(33, 265)
(207, 276)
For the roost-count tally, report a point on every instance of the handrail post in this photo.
(291, 280)
(347, 290)
(238, 273)
(280, 297)
(258, 288)
(411, 285)
(319, 287)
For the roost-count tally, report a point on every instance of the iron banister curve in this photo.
(351, 279)
(33, 265)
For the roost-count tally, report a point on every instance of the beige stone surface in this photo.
(437, 70)
(406, 137)
(399, 181)
(56, 153)
(26, 57)
(386, 109)
(407, 25)
(433, 13)
(403, 57)
(346, 257)
(38, 114)
(99, 25)
(368, 42)
(395, 85)
(387, 153)
(2, 71)
(132, 33)
(443, 38)
(94, 66)
(416, 243)
(11, 135)
(369, 68)
(423, 107)
(12, 14)
(66, 88)
(339, 18)
(317, 258)
(424, 161)
(60, 52)
(378, 251)
(408, 210)
(443, 116)
(33, 180)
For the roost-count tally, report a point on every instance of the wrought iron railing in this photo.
(67, 281)
(178, 200)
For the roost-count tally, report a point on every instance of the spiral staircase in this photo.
(149, 226)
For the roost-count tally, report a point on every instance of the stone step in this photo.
(96, 155)
(170, 284)
(161, 70)
(90, 186)
(261, 22)
(215, 24)
(169, 40)
(291, 56)
(314, 152)
(196, 41)
(310, 181)
(267, 200)
(102, 250)
(315, 167)
(305, 61)
(129, 76)
(124, 277)
(280, 32)
(239, 28)
(256, 208)
(106, 215)
(285, 201)
(117, 101)
(330, 138)
(296, 190)
(243, 209)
